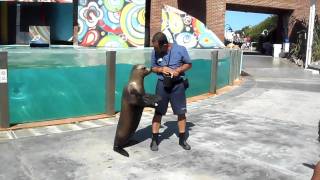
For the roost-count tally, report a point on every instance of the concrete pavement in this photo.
(264, 129)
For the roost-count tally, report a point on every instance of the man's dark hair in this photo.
(160, 38)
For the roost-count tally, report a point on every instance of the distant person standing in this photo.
(169, 61)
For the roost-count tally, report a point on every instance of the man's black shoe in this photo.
(183, 142)
(185, 145)
(154, 146)
(154, 142)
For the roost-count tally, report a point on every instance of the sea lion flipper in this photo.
(121, 151)
(151, 100)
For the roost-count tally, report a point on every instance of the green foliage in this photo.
(316, 41)
(254, 32)
(298, 41)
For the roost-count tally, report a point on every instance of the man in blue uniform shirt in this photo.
(169, 61)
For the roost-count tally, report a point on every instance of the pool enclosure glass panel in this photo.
(224, 64)
(200, 74)
(55, 83)
(65, 82)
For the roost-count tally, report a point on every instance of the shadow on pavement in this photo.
(172, 128)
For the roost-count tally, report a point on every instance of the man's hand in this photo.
(175, 73)
(171, 72)
(166, 71)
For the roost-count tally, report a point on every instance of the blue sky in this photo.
(238, 20)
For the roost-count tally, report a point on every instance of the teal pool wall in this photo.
(223, 72)
(55, 83)
(38, 94)
(48, 84)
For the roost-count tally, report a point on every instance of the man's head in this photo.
(160, 43)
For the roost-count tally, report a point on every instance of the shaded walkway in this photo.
(264, 129)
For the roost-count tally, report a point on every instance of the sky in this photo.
(238, 20)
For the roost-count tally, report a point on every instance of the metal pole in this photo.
(310, 32)
(236, 67)
(231, 70)
(75, 22)
(110, 81)
(238, 63)
(241, 62)
(214, 71)
(4, 108)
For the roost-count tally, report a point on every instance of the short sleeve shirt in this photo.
(176, 57)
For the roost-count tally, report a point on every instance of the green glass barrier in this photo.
(55, 83)
(47, 84)
(200, 74)
(223, 73)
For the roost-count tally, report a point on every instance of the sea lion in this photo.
(133, 101)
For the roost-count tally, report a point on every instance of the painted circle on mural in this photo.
(175, 23)
(132, 23)
(91, 14)
(206, 40)
(114, 17)
(141, 18)
(83, 28)
(113, 42)
(187, 20)
(111, 21)
(113, 5)
(91, 38)
(186, 39)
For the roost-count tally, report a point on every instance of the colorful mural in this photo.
(186, 30)
(39, 34)
(111, 23)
